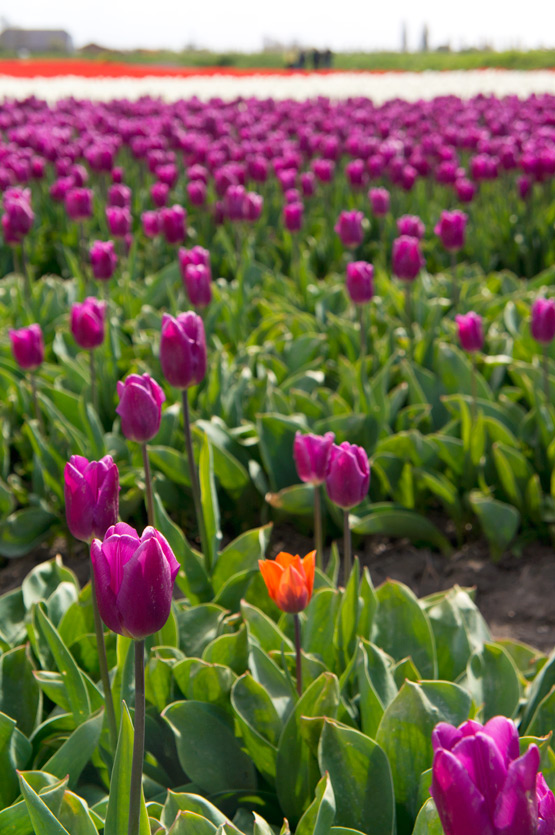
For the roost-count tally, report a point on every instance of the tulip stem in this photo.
(408, 313)
(318, 532)
(347, 557)
(148, 486)
(545, 367)
(38, 413)
(455, 289)
(138, 740)
(195, 486)
(25, 272)
(362, 326)
(298, 657)
(94, 390)
(103, 664)
(474, 390)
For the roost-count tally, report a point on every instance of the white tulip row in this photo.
(379, 87)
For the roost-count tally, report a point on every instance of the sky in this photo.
(243, 25)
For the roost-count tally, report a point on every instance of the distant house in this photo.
(36, 40)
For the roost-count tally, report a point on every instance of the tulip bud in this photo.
(323, 169)
(119, 195)
(19, 216)
(480, 783)
(140, 407)
(356, 173)
(151, 224)
(91, 491)
(119, 221)
(159, 194)
(28, 347)
(308, 185)
(542, 323)
(289, 580)
(349, 228)
(134, 578)
(347, 475)
(360, 281)
(411, 225)
(78, 203)
(471, 333)
(379, 201)
(451, 228)
(172, 223)
(252, 207)
(197, 281)
(103, 259)
(183, 349)
(87, 322)
(407, 260)
(465, 189)
(196, 191)
(311, 454)
(293, 216)
(195, 255)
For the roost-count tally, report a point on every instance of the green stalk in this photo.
(347, 550)
(138, 740)
(408, 313)
(318, 532)
(148, 486)
(25, 271)
(362, 326)
(545, 369)
(103, 664)
(94, 390)
(38, 413)
(298, 657)
(474, 389)
(195, 486)
(455, 292)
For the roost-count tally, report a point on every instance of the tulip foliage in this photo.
(347, 342)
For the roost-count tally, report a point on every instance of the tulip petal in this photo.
(292, 595)
(284, 559)
(517, 808)
(308, 564)
(505, 735)
(145, 595)
(445, 736)
(150, 532)
(105, 597)
(118, 551)
(484, 763)
(271, 574)
(461, 807)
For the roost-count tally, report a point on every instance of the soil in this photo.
(515, 594)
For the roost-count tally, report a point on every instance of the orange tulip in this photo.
(289, 580)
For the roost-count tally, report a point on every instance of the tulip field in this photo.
(221, 316)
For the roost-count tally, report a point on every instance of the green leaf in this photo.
(189, 823)
(319, 625)
(492, 680)
(390, 520)
(295, 786)
(174, 465)
(402, 629)
(198, 626)
(360, 776)
(204, 682)
(263, 629)
(229, 650)
(259, 722)
(176, 802)
(117, 812)
(8, 784)
(41, 817)
(12, 614)
(276, 435)
(320, 815)
(297, 499)
(428, 822)
(20, 695)
(168, 528)
(241, 554)
(209, 501)
(539, 689)
(499, 521)
(370, 706)
(279, 686)
(24, 530)
(77, 692)
(207, 748)
(75, 815)
(72, 757)
(347, 619)
(405, 734)
(15, 819)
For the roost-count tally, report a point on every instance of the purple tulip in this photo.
(119, 221)
(151, 224)
(293, 216)
(159, 194)
(196, 192)
(103, 259)
(308, 185)
(360, 281)
(87, 322)
(197, 280)
(119, 195)
(311, 454)
(323, 169)
(172, 223)
(134, 578)
(140, 407)
(91, 491)
(542, 323)
(412, 226)
(482, 786)
(183, 349)
(252, 207)
(356, 173)
(451, 229)
(78, 203)
(407, 259)
(234, 203)
(195, 255)
(28, 347)
(18, 217)
(349, 228)
(471, 332)
(524, 185)
(117, 174)
(347, 475)
(379, 201)
(465, 189)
